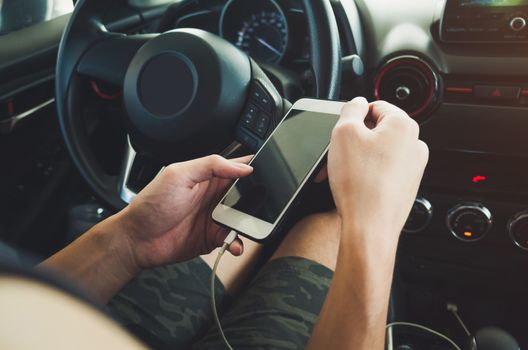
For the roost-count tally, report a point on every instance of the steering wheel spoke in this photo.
(137, 171)
(286, 81)
(125, 192)
(108, 59)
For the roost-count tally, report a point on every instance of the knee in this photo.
(316, 237)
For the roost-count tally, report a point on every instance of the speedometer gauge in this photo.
(257, 27)
(264, 36)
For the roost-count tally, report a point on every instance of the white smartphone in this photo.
(255, 205)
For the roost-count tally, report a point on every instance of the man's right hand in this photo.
(375, 165)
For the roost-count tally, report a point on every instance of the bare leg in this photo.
(235, 272)
(282, 305)
(315, 237)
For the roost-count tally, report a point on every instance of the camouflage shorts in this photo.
(169, 307)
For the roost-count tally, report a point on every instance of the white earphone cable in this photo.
(227, 242)
(429, 330)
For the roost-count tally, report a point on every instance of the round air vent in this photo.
(409, 83)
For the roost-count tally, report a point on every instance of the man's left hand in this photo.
(170, 220)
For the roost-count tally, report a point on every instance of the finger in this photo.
(237, 247)
(355, 112)
(382, 112)
(224, 184)
(244, 160)
(322, 175)
(207, 168)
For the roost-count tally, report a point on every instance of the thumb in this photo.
(355, 112)
(207, 168)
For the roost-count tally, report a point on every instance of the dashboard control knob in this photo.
(518, 230)
(518, 23)
(420, 216)
(469, 222)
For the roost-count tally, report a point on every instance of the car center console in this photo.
(474, 194)
(460, 72)
(473, 204)
(466, 242)
(471, 201)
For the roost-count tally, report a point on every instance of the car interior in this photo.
(97, 96)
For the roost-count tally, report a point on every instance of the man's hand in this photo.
(170, 220)
(375, 165)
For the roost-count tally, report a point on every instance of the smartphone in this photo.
(255, 205)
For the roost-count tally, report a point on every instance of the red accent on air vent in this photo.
(413, 62)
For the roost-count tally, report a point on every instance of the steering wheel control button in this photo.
(262, 125)
(167, 84)
(500, 93)
(420, 216)
(261, 97)
(518, 230)
(469, 222)
(256, 120)
(250, 117)
(518, 23)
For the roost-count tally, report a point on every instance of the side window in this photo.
(18, 14)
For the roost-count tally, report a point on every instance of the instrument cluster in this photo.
(270, 31)
(259, 28)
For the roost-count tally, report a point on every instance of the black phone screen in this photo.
(282, 165)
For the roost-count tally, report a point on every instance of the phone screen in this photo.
(282, 165)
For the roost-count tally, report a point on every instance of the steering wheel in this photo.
(186, 92)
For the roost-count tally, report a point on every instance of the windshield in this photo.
(18, 14)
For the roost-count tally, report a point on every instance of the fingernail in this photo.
(360, 99)
(243, 166)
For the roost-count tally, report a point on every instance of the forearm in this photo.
(355, 311)
(100, 260)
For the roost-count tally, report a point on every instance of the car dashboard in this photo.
(458, 67)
